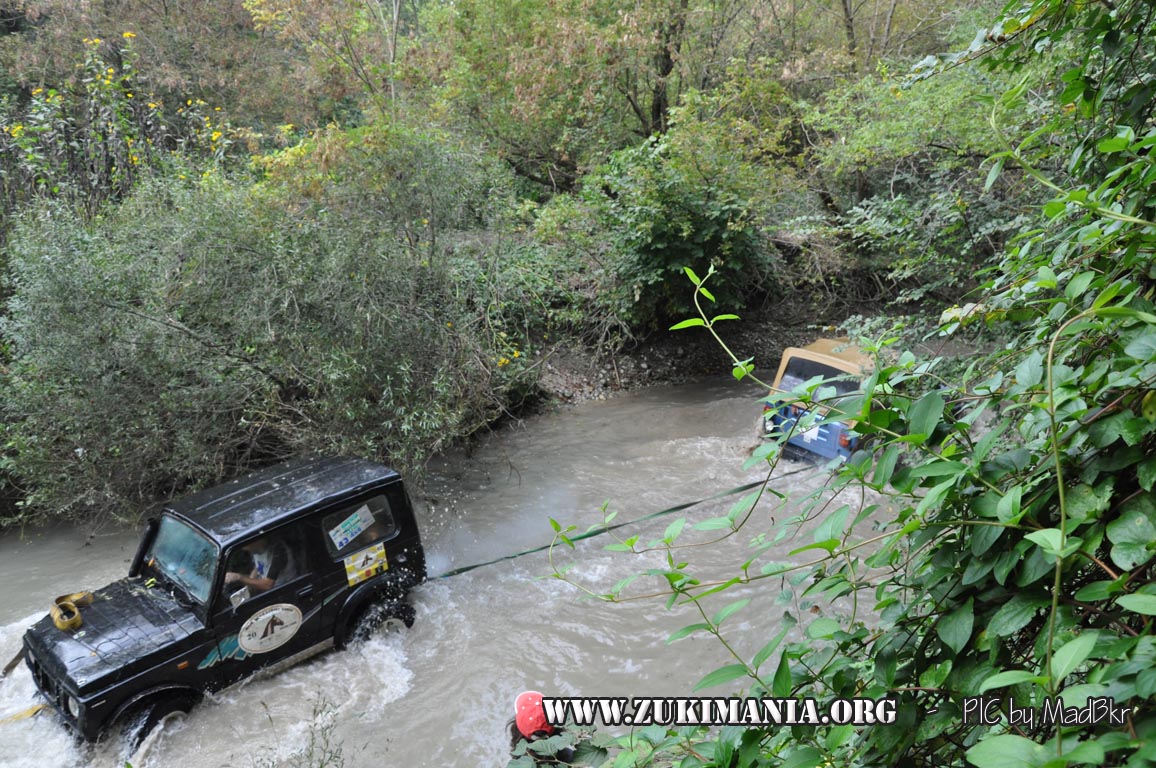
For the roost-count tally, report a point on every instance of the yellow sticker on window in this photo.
(364, 565)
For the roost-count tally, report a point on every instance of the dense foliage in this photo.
(189, 226)
(1003, 537)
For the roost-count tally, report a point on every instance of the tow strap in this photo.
(12, 664)
(23, 715)
(608, 528)
(65, 610)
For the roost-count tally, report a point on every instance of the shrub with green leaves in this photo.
(658, 218)
(195, 330)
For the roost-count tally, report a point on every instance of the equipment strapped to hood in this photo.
(65, 610)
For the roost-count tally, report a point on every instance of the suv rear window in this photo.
(358, 525)
(800, 370)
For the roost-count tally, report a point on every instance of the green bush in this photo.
(195, 330)
(658, 218)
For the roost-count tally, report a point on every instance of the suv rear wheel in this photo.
(390, 615)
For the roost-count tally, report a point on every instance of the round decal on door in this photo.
(269, 628)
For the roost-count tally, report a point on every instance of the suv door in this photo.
(257, 626)
(355, 542)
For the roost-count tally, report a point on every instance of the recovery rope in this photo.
(608, 528)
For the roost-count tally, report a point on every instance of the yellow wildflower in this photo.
(128, 95)
(517, 353)
(503, 361)
(128, 35)
(215, 136)
(37, 91)
(111, 71)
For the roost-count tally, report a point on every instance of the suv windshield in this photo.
(184, 556)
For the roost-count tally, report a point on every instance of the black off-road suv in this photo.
(258, 573)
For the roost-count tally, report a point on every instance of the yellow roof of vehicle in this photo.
(839, 354)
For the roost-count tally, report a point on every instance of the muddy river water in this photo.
(441, 693)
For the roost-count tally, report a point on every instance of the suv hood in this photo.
(125, 624)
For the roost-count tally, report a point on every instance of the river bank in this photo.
(573, 374)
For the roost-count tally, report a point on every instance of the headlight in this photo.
(73, 706)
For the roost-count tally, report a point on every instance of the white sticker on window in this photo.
(352, 527)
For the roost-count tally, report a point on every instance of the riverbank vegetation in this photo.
(235, 232)
(995, 540)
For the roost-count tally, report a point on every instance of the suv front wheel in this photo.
(145, 717)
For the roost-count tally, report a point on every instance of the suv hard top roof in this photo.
(257, 501)
(839, 354)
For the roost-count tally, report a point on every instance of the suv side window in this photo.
(358, 525)
(263, 564)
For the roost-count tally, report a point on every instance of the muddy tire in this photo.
(379, 617)
(143, 719)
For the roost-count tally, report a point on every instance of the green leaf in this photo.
(673, 530)
(885, 467)
(993, 174)
(1098, 590)
(1084, 501)
(804, 757)
(689, 629)
(1008, 510)
(721, 675)
(1015, 614)
(1142, 349)
(1071, 655)
(1049, 539)
(983, 537)
(716, 318)
(830, 545)
(1133, 534)
(823, 627)
(1010, 677)
(781, 684)
(766, 651)
(707, 293)
(713, 524)
(1137, 603)
(924, 415)
(1078, 285)
(934, 675)
(726, 611)
(693, 277)
(689, 323)
(741, 370)
(954, 629)
(1086, 753)
(1030, 371)
(1007, 751)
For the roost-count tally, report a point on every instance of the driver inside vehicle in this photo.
(272, 562)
